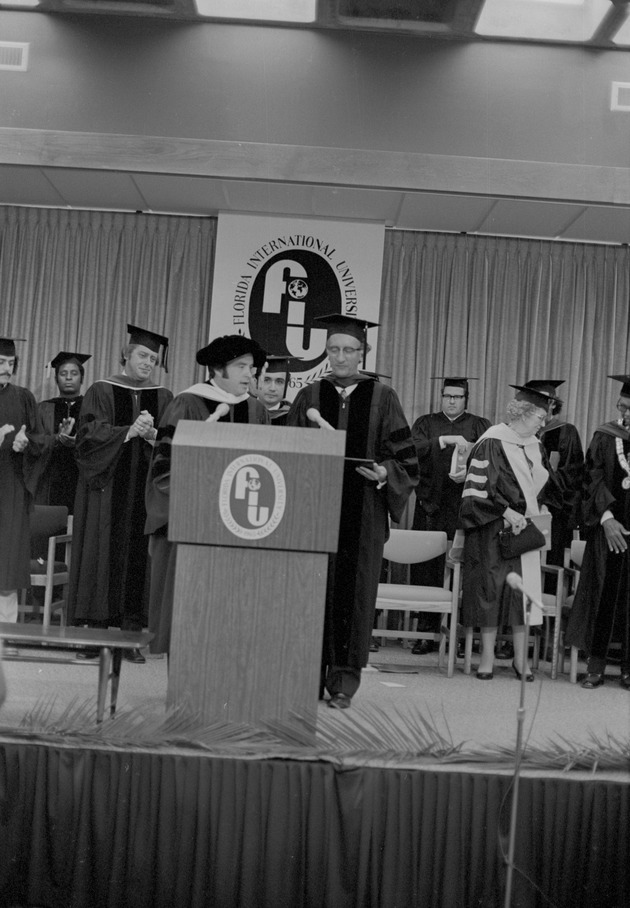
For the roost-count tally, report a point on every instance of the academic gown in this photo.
(185, 406)
(57, 468)
(602, 491)
(278, 415)
(437, 496)
(492, 486)
(18, 408)
(562, 443)
(108, 579)
(376, 429)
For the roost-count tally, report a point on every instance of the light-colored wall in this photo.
(322, 88)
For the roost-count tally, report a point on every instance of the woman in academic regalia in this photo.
(58, 471)
(507, 482)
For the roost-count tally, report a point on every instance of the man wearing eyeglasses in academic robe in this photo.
(376, 430)
(440, 439)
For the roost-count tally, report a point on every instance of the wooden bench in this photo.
(110, 642)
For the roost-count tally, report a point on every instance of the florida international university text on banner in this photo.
(274, 276)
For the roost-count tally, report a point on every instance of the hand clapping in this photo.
(6, 429)
(143, 426)
(20, 442)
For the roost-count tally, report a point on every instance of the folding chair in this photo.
(413, 547)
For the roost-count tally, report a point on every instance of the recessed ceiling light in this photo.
(542, 20)
(259, 10)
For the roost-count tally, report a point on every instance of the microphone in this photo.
(315, 416)
(516, 582)
(221, 410)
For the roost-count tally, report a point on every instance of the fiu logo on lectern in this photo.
(252, 496)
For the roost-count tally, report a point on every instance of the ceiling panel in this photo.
(95, 188)
(368, 204)
(270, 198)
(544, 219)
(443, 212)
(27, 186)
(181, 195)
(601, 224)
(206, 196)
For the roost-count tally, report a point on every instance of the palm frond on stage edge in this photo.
(361, 736)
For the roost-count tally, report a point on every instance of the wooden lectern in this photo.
(254, 511)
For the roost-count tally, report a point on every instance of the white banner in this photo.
(274, 275)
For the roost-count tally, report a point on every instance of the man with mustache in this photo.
(115, 437)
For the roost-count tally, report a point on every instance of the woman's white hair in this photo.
(517, 409)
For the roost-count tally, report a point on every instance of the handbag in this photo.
(513, 546)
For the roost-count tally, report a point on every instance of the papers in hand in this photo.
(458, 462)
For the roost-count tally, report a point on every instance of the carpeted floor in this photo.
(475, 714)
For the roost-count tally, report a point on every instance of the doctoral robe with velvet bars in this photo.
(376, 429)
(601, 569)
(163, 553)
(492, 486)
(109, 571)
(562, 443)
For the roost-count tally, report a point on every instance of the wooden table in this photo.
(110, 642)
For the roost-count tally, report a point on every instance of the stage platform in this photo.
(403, 801)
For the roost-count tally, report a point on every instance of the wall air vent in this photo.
(620, 96)
(13, 55)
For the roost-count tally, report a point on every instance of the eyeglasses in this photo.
(453, 396)
(623, 408)
(347, 351)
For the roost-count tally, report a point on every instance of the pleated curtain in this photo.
(73, 280)
(504, 311)
(501, 310)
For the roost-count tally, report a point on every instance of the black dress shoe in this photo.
(624, 680)
(422, 647)
(484, 676)
(374, 645)
(134, 655)
(528, 677)
(340, 701)
(593, 680)
(503, 650)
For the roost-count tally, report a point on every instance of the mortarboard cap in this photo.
(625, 383)
(346, 324)
(535, 396)
(66, 357)
(549, 385)
(458, 381)
(224, 349)
(151, 340)
(276, 363)
(7, 345)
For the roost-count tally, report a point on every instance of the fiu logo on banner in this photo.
(291, 290)
(252, 496)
